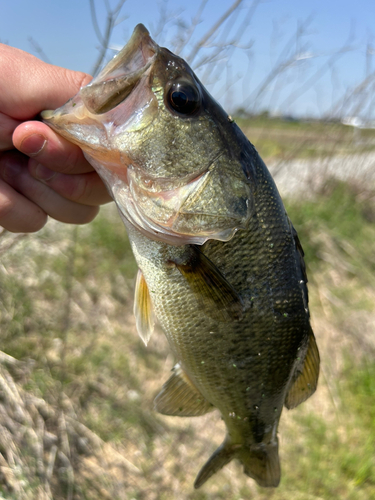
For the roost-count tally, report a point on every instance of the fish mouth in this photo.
(107, 102)
(122, 74)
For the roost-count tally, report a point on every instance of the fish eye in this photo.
(184, 98)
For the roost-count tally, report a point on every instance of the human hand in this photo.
(46, 175)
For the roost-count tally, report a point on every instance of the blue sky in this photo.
(64, 30)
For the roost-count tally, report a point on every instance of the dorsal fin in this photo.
(305, 379)
(216, 295)
(143, 310)
(180, 397)
(301, 266)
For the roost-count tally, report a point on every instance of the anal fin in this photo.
(143, 310)
(305, 382)
(216, 295)
(180, 397)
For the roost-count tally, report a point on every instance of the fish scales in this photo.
(220, 264)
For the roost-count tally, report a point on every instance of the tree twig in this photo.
(201, 43)
(111, 22)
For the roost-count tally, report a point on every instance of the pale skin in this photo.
(41, 174)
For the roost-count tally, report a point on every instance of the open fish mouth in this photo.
(104, 105)
(122, 74)
(112, 120)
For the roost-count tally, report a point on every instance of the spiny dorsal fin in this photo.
(143, 311)
(306, 380)
(180, 397)
(218, 298)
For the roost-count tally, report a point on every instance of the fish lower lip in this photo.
(47, 114)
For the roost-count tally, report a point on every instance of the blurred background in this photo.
(76, 382)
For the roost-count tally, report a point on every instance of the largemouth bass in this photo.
(220, 264)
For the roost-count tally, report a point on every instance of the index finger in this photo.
(7, 126)
(29, 85)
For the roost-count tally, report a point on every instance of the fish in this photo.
(221, 267)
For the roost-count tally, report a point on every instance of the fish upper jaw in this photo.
(105, 107)
(117, 80)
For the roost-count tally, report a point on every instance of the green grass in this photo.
(343, 214)
(337, 461)
(279, 138)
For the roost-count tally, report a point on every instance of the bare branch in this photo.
(283, 62)
(197, 19)
(246, 21)
(111, 22)
(169, 17)
(94, 21)
(351, 94)
(317, 75)
(201, 43)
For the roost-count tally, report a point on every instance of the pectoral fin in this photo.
(180, 397)
(218, 298)
(305, 382)
(143, 311)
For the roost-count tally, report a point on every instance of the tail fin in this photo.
(222, 456)
(261, 462)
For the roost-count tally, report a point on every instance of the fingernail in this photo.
(41, 172)
(33, 144)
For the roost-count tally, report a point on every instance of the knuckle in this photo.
(77, 214)
(80, 189)
(36, 223)
(88, 215)
(65, 157)
(7, 126)
(72, 158)
(6, 209)
(92, 214)
(77, 79)
(16, 222)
